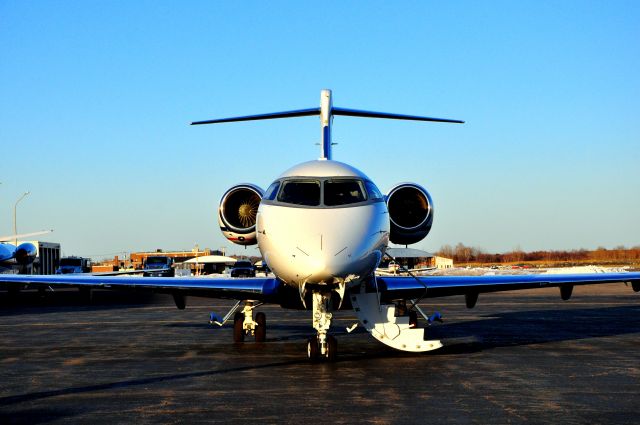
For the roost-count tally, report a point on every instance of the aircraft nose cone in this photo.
(314, 269)
(326, 271)
(321, 259)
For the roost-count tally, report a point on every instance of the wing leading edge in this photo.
(407, 287)
(259, 289)
(267, 288)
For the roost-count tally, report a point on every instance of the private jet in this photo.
(18, 254)
(323, 227)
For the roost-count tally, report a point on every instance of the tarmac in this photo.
(517, 357)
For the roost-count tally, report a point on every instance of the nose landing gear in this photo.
(322, 346)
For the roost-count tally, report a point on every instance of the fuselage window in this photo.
(272, 191)
(343, 192)
(372, 190)
(300, 192)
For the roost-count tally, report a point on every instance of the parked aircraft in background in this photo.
(323, 227)
(18, 254)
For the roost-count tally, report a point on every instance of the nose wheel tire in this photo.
(238, 328)
(332, 348)
(314, 353)
(261, 328)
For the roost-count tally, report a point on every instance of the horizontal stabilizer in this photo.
(371, 114)
(334, 111)
(273, 115)
(326, 112)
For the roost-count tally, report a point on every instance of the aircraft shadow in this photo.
(39, 395)
(32, 416)
(72, 300)
(510, 329)
(493, 330)
(285, 332)
(535, 327)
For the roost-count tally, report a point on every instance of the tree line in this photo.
(467, 254)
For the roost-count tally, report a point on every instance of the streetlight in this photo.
(15, 207)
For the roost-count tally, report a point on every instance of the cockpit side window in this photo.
(372, 190)
(343, 192)
(272, 191)
(300, 192)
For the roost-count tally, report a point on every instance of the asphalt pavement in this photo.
(517, 357)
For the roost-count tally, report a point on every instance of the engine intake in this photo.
(237, 213)
(410, 212)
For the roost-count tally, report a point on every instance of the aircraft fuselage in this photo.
(328, 237)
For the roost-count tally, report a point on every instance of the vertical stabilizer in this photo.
(326, 117)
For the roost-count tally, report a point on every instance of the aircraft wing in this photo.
(253, 288)
(388, 272)
(408, 287)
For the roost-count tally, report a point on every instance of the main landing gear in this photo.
(244, 324)
(322, 346)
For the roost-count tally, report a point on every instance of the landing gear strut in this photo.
(322, 346)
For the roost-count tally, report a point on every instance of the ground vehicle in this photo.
(243, 268)
(158, 266)
(74, 265)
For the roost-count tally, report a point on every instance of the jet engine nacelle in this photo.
(26, 253)
(410, 212)
(237, 213)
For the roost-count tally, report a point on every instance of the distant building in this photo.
(441, 262)
(136, 259)
(412, 258)
(208, 264)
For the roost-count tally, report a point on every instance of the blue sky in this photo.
(96, 97)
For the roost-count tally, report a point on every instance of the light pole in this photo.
(15, 208)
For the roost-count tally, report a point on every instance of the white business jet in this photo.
(323, 227)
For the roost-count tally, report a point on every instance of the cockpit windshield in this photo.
(322, 192)
(300, 192)
(272, 191)
(343, 192)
